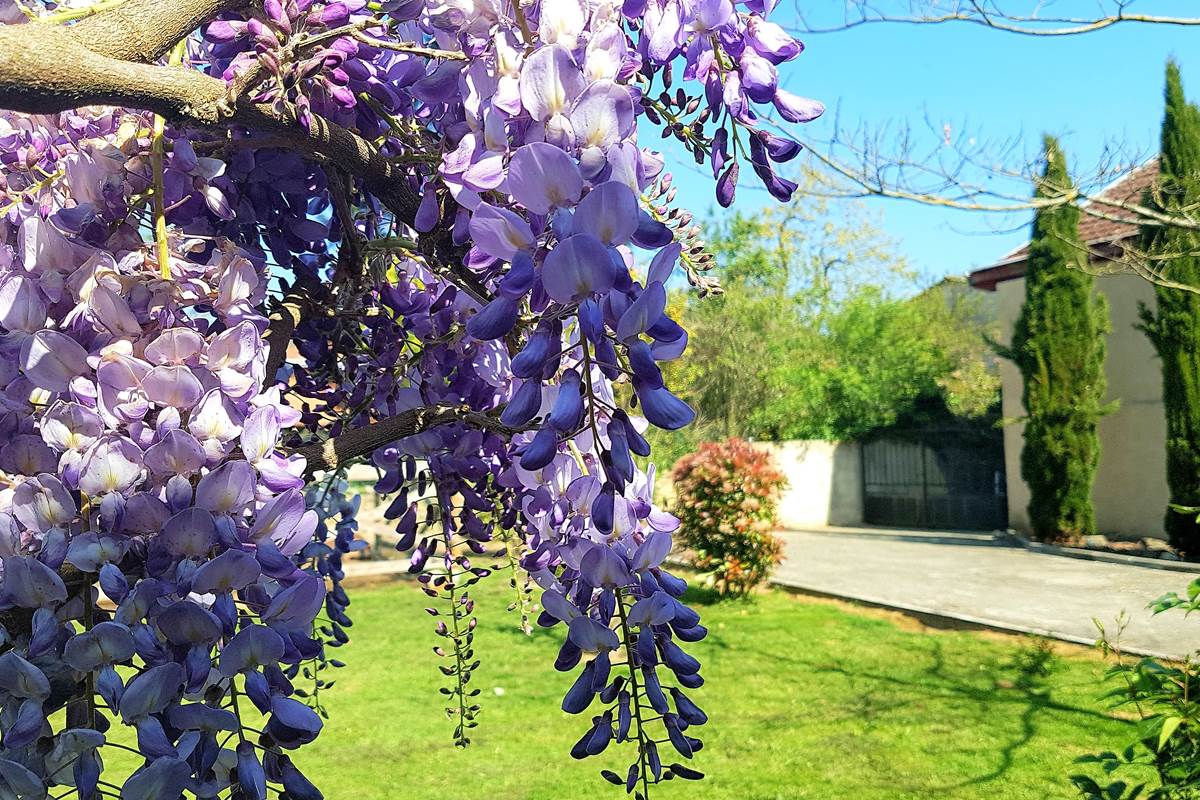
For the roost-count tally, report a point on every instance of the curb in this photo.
(1016, 539)
(964, 621)
(1004, 539)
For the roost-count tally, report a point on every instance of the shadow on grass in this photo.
(1022, 680)
(700, 595)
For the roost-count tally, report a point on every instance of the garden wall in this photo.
(824, 483)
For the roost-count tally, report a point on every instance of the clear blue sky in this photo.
(1088, 89)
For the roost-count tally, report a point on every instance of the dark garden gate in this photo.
(943, 478)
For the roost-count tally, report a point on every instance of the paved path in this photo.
(970, 577)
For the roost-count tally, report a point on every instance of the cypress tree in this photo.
(1058, 345)
(1174, 326)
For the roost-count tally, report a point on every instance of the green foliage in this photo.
(822, 334)
(1163, 699)
(1174, 326)
(1058, 345)
(726, 495)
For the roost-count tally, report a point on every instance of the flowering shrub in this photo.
(726, 497)
(236, 259)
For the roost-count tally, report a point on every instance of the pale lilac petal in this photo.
(652, 551)
(663, 30)
(550, 81)
(609, 212)
(499, 232)
(711, 14)
(279, 517)
(111, 464)
(177, 454)
(22, 305)
(797, 109)
(234, 348)
(215, 417)
(292, 543)
(602, 115)
(174, 346)
(70, 426)
(561, 22)
(43, 503)
(280, 474)
(542, 176)
(485, 174)
(112, 313)
(579, 266)
(173, 385)
(260, 434)
(51, 359)
(227, 489)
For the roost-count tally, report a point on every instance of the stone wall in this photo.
(824, 483)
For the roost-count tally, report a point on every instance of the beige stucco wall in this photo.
(1130, 492)
(824, 483)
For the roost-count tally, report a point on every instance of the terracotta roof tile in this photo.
(1094, 231)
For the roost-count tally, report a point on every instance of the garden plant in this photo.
(727, 496)
(246, 245)
(1161, 761)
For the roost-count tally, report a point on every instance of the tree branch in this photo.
(145, 30)
(976, 14)
(32, 79)
(284, 320)
(339, 450)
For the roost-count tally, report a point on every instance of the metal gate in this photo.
(931, 479)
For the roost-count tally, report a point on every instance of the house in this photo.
(1130, 492)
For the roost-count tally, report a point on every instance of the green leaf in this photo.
(1169, 726)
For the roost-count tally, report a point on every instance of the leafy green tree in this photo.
(822, 334)
(1058, 345)
(1174, 326)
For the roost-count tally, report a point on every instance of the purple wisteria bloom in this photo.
(204, 328)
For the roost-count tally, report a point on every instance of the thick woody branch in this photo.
(285, 319)
(352, 444)
(34, 78)
(145, 30)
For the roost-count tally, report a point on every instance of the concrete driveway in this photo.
(971, 577)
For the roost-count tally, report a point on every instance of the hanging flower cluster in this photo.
(492, 347)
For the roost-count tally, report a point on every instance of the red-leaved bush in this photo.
(726, 497)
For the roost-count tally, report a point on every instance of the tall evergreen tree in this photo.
(1058, 345)
(1174, 326)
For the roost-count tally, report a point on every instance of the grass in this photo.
(807, 700)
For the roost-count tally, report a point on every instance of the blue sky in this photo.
(1089, 90)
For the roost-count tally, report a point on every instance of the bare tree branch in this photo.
(358, 442)
(994, 15)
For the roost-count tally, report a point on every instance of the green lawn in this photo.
(806, 699)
